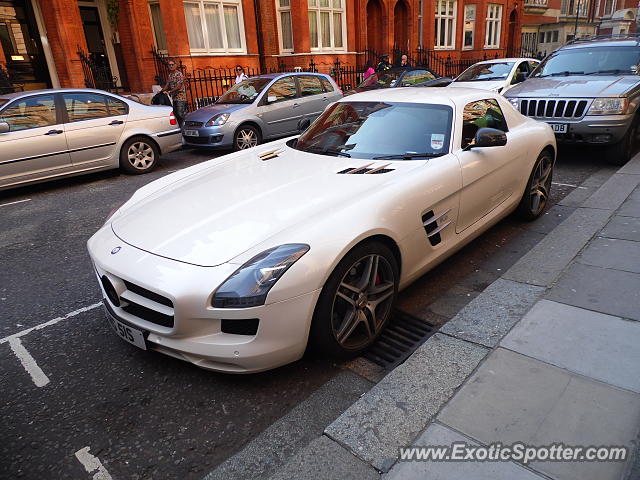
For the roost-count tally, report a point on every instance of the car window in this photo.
(486, 71)
(85, 106)
(117, 107)
(327, 85)
(523, 68)
(310, 85)
(483, 113)
(533, 65)
(415, 77)
(283, 89)
(31, 112)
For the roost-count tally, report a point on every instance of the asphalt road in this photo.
(141, 414)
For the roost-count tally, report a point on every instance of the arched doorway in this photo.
(513, 45)
(375, 33)
(401, 25)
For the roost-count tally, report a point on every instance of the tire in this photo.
(536, 195)
(138, 155)
(246, 136)
(356, 302)
(621, 152)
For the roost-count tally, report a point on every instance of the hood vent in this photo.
(270, 154)
(434, 224)
(365, 169)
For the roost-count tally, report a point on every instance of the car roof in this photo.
(10, 96)
(438, 96)
(510, 59)
(282, 74)
(604, 42)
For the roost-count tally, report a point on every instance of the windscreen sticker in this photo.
(437, 141)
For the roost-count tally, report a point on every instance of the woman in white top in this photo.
(240, 75)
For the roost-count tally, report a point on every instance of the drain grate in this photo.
(404, 334)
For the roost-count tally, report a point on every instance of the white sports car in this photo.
(236, 264)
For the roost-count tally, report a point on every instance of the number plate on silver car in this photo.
(559, 127)
(191, 133)
(125, 332)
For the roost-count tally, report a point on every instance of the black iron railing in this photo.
(97, 74)
(6, 83)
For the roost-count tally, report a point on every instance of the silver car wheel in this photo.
(540, 184)
(246, 138)
(140, 155)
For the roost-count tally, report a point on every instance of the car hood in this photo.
(578, 86)
(204, 114)
(487, 85)
(214, 215)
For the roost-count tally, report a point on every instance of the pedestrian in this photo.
(175, 87)
(404, 61)
(240, 75)
(384, 63)
(368, 70)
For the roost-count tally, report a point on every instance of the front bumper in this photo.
(594, 130)
(191, 329)
(221, 137)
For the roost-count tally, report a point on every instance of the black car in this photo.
(401, 77)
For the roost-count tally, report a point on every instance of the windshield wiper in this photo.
(613, 70)
(326, 151)
(566, 73)
(408, 156)
(483, 79)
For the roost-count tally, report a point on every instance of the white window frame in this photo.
(314, 6)
(469, 25)
(494, 17)
(203, 24)
(279, 11)
(449, 23)
(153, 27)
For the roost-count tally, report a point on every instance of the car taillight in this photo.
(172, 119)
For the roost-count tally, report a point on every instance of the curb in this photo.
(394, 412)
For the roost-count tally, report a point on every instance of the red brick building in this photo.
(40, 39)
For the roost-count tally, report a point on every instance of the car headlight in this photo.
(249, 285)
(609, 106)
(217, 120)
(514, 102)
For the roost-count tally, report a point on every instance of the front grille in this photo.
(248, 326)
(554, 109)
(192, 124)
(145, 304)
(143, 292)
(148, 314)
(198, 140)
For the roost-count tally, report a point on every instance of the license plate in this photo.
(125, 332)
(191, 133)
(559, 127)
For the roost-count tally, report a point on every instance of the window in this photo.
(31, 112)
(215, 26)
(284, 25)
(481, 114)
(420, 9)
(469, 26)
(117, 107)
(554, 36)
(283, 89)
(327, 27)
(85, 106)
(416, 77)
(327, 85)
(157, 26)
(609, 7)
(494, 25)
(445, 27)
(543, 37)
(310, 85)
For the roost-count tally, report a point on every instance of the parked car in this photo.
(401, 77)
(589, 91)
(237, 263)
(497, 75)
(261, 108)
(48, 134)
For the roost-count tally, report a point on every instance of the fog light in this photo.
(216, 138)
(602, 138)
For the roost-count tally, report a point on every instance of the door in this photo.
(35, 145)
(488, 176)
(96, 46)
(313, 98)
(282, 113)
(95, 125)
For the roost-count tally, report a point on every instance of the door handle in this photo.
(295, 105)
(54, 132)
(324, 99)
(116, 122)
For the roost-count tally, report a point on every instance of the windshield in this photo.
(246, 91)
(590, 61)
(376, 129)
(486, 71)
(385, 78)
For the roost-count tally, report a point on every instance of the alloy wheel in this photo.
(362, 302)
(246, 138)
(540, 184)
(140, 155)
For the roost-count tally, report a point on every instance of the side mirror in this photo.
(488, 137)
(272, 99)
(303, 124)
(519, 77)
(4, 127)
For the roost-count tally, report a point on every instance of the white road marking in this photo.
(28, 362)
(13, 203)
(91, 464)
(568, 185)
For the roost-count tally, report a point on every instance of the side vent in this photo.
(366, 170)
(270, 154)
(434, 224)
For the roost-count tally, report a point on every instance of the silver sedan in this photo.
(48, 134)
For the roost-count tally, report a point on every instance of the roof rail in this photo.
(616, 36)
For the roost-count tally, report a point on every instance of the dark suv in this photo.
(588, 91)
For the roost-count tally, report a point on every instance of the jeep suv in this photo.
(589, 92)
